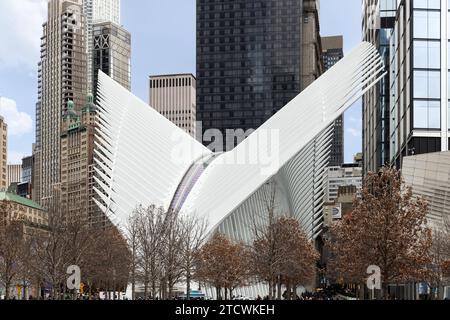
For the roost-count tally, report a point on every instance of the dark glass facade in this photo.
(376, 102)
(111, 53)
(332, 53)
(249, 55)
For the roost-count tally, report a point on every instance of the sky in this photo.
(163, 42)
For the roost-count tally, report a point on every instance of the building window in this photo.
(427, 84)
(427, 114)
(427, 24)
(427, 54)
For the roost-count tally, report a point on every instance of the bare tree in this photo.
(222, 264)
(10, 244)
(193, 236)
(150, 237)
(51, 247)
(171, 254)
(284, 255)
(299, 257)
(387, 228)
(132, 227)
(436, 269)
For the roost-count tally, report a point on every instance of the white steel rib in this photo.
(142, 158)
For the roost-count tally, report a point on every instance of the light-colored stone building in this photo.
(62, 78)
(174, 96)
(77, 160)
(31, 215)
(3, 154)
(14, 173)
(311, 63)
(340, 207)
(335, 177)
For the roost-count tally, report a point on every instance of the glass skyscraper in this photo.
(419, 79)
(378, 23)
(253, 57)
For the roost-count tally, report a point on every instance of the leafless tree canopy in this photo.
(386, 228)
(164, 244)
(40, 257)
(223, 264)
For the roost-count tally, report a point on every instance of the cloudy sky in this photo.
(163, 36)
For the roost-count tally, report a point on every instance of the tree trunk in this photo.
(288, 291)
(133, 285)
(188, 285)
(145, 285)
(270, 289)
(385, 292)
(153, 289)
(7, 288)
(274, 291)
(279, 289)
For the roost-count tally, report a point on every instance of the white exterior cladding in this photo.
(143, 158)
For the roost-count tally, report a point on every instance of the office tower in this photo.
(62, 78)
(378, 23)
(332, 52)
(27, 169)
(174, 97)
(253, 57)
(14, 174)
(419, 80)
(345, 175)
(3, 154)
(97, 11)
(111, 53)
(77, 137)
(25, 187)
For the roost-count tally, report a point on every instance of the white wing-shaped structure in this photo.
(142, 158)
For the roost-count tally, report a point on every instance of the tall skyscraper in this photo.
(111, 53)
(174, 96)
(62, 78)
(3, 154)
(419, 83)
(378, 24)
(253, 57)
(97, 11)
(332, 52)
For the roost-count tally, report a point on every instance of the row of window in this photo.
(165, 83)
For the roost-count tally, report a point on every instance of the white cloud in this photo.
(20, 32)
(19, 123)
(15, 157)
